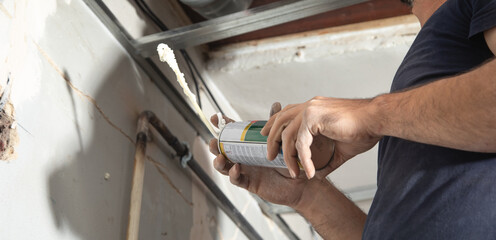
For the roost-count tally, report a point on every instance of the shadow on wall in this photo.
(90, 191)
(84, 199)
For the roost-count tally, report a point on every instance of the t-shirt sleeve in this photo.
(483, 16)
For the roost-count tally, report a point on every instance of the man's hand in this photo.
(272, 184)
(297, 126)
(332, 214)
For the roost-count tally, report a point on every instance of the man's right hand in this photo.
(332, 214)
(271, 184)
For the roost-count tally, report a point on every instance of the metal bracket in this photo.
(186, 158)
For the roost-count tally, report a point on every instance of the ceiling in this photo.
(371, 10)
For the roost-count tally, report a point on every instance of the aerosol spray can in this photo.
(241, 142)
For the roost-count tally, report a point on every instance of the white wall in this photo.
(77, 96)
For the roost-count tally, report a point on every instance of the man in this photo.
(437, 133)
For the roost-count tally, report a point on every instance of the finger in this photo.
(274, 139)
(215, 120)
(237, 178)
(275, 108)
(266, 129)
(268, 125)
(288, 149)
(213, 146)
(222, 165)
(303, 143)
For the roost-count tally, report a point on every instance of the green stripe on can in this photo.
(253, 133)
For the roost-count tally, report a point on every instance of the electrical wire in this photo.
(197, 89)
(146, 9)
(188, 58)
(189, 62)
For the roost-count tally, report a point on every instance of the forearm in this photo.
(457, 112)
(330, 212)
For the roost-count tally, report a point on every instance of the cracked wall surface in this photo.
(77, 95)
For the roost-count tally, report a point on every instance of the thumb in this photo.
(275, 108)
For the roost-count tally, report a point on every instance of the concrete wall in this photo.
(77, 95)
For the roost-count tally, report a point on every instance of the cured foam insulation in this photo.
(167, 55)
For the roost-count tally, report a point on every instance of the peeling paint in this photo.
(8, 133)
(314, 45)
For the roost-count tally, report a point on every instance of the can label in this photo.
(241, 142)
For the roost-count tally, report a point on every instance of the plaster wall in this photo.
(77, 96)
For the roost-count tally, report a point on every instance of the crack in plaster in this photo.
(159, 167)
(81, 93)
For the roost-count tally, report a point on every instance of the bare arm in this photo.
(457, 112)
(331, 213)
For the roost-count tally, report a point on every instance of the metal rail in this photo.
(176, 98)
(212, 30)
(267, 209)
(238, 23)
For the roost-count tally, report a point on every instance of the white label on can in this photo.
(251, 154)
(242, 143)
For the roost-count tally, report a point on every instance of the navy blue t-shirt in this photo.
(426, 191)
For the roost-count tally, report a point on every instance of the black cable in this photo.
(197, 88)
(188, 58)
(191, 65)
(147, 11)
